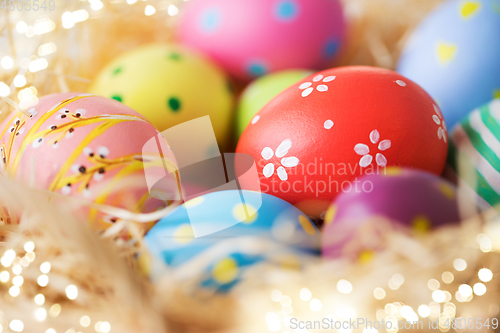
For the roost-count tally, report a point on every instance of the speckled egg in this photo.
(453, 54)
(475, 153)
(359, 221)
(261, 91)
(250, 38)
(216, 237)
(86, 147)
(169, 84)
(312, 140)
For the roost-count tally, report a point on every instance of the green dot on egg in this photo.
(174, 104)
(117, 70)
(117, 97)
(230, 87)
(174, 56)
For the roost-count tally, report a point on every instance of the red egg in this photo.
(314, 139)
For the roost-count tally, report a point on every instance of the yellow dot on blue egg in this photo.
(446, 52)
(307, 225)
(286, 10)
(469, 8)
(496, 93)
(194, 202)
(225, 271)
(290, 261)
(245, 213)
(184, 234)
(211, 20)
(421, 223)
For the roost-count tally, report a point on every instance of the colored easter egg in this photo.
(475, 152)
(312, 140)
(86, 147)
(250, 38)
(169, 85)
(261, 91)
(241, 229)
(453, 54)
(358, 221)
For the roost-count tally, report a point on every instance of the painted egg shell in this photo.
(87, 147)
(261, 91)
(274, 232)
(357, 221)
(475, 153)
(169, 84)
(312, 140)
(454, 54)
(250, 38)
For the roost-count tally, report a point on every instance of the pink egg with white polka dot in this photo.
(250, 38)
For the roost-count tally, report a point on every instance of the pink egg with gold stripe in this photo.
(87, 147)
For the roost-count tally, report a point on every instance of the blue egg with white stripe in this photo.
(216, 237)
(454, 55)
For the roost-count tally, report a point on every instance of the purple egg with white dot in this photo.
(407, 200)
(250, 38)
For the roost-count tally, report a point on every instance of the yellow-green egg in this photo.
(261, 91)
(169, 84)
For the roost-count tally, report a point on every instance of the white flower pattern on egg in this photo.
(285, 162)
(364, 150)
(308, 87)
(438, 119)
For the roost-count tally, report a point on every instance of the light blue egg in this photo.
(454, 54)
(248, 228)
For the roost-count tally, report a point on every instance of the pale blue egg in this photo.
(454, 54)
(248, 228)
